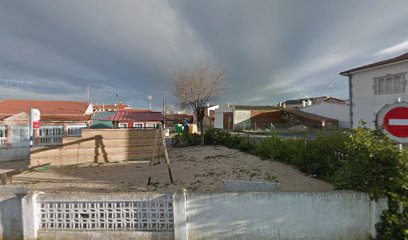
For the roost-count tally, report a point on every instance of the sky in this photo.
(271, 50)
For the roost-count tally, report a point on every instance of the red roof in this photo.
(400, 58)
(66, 118)
(50, 110)
(14, 106)
(131, 115)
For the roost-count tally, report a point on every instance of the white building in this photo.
(331, 108)
(373, 86)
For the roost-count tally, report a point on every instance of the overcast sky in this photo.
(271, 50)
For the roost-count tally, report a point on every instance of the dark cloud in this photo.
(271, 50)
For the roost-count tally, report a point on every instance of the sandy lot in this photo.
(199, 169)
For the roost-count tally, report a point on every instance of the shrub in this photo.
(270, 148)
(216, 136)
(323, 155)
(186, 139)
(371, 163)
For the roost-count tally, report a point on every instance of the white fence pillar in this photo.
(180, 215)
(31, 215)
(376, 210)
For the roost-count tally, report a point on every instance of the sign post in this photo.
(35, 117)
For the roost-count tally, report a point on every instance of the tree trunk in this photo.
(201, 130)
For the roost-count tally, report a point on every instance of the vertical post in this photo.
(153, 155)
(31, 214)
(180, 215)
(166, 154)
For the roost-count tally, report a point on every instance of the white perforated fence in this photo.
(154, 214)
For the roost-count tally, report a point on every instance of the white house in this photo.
(331, 108)
(223, 111)
(373, 86)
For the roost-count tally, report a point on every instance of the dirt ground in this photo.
(199, 169)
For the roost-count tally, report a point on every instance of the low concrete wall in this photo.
(14, 153)
(332, 215)
(281, 215)
(245, 186)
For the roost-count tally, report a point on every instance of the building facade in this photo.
(338, 109)
(373, 86)
(238, 117)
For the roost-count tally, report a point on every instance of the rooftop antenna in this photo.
(117, 98)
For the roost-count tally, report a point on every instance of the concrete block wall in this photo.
(250, 215)
(99, 145)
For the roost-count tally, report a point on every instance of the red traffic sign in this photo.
(393, 119)
(36, 124)
(396, 122)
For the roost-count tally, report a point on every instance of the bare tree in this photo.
(196, 87)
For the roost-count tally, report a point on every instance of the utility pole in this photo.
(164, 101)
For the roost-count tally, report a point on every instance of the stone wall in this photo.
(99, 145)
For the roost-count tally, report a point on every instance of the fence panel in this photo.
(154, 214)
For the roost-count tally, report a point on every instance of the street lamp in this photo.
(150, 102)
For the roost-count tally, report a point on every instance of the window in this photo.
(75, 129)
(390, 83)
(3, 135)
(51, 134)
(138, 125)
(151, 125)
(123, 125)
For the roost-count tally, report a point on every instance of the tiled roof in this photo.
(65, 118)
(129, 115)
(403, 57)
(137, 116)
(14, 106)
(103, 115)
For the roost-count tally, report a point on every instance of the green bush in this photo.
(323, 155)
(216, 136)
(371, 163)
(186, 139)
